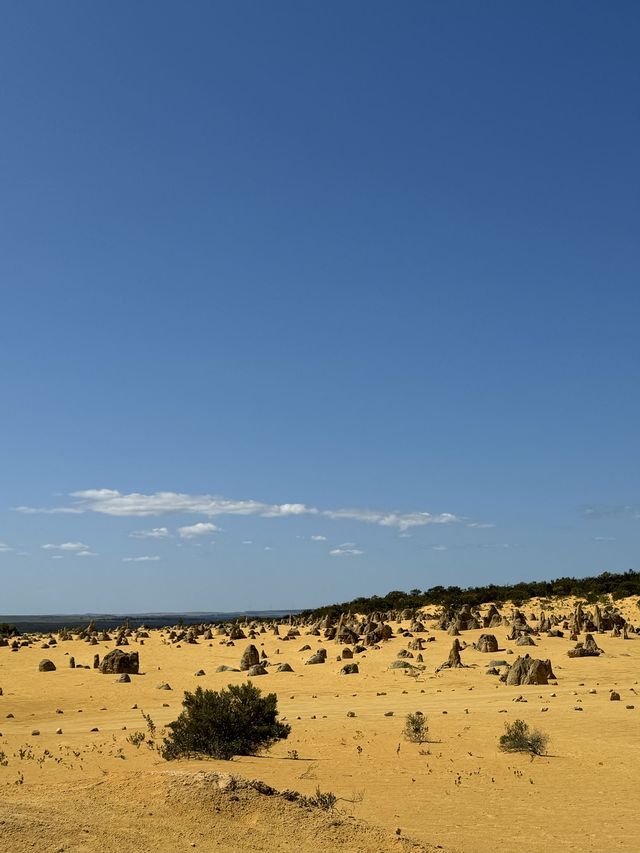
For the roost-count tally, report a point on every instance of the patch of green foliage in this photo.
(237, 720)
(416, 729)
(518, 737)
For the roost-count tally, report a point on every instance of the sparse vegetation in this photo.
(325, 800)
(151, 726)
(518, 737)
(416, 729)
(615, 584)
(237, 720)
(136, 738)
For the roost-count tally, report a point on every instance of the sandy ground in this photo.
(85, 790)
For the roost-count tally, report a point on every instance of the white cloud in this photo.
(135, 504)
(629, 511)
(154, 533)
(66, 546)
(4, 547)
(86, 554)
(402, 520)
(268, 548)
(145, 559)
(247, 542)
(480, 525)
(439, 548)
(202, 528)
(346, 552)
(57, 557)
(318, 538)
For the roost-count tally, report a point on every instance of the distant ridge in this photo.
(53, 621)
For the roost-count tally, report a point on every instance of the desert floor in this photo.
(85, 791)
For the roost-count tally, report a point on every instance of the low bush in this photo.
(237, 720)
(518, 737)
(416, 729)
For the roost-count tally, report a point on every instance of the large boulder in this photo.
(250, 657)
(319, 657)
(349, 669)
(487, 643)
(528, 670)
(117, 662)
(46, 665)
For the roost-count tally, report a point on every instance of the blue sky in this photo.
(302, 301)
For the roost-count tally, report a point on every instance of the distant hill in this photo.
(620, 585)
(104, 621)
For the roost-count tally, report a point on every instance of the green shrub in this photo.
(237, 720)
(323, 799)
(416, 729)
(518, 737)
(136, 738)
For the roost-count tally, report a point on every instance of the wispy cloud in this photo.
(596, 511)
(480, 525)
(345, 552)
(4, 548)
(145, 559)
(402, 520)
(57, 557)
(202, 528)
(86, 554)
(66, 546)
(604, 538)
(135, 504)
(318, 538)
(439, 548)
(154, 533)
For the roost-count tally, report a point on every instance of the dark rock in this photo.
(117, 661)
(487, 643)
(250, 657)
(528, 670)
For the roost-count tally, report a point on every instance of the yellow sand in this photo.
(85, 791)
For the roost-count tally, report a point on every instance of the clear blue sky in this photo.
(354, 285)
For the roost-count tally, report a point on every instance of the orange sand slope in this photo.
(84, 790)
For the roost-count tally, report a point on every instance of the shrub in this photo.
(416, 729)
(324, 799)
(237, 720)
(136, 738)
(518, 737)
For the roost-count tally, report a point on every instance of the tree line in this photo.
(616, 585)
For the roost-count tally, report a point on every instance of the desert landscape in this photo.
(81, 768)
